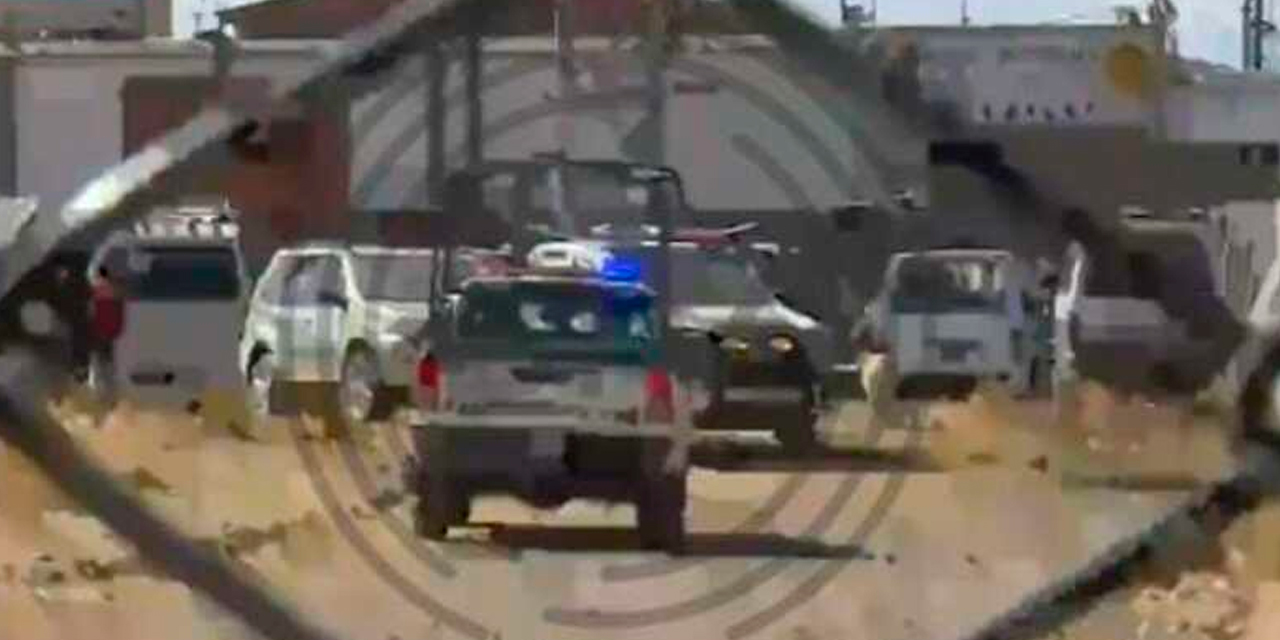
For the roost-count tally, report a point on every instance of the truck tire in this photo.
(442, 503)
(1260, 403)
(799, 433)
(660, 512)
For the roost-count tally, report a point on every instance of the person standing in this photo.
(107, 316)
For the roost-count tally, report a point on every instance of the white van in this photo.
(183, 286)
(951, 318)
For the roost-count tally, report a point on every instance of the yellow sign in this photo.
(1130, 70)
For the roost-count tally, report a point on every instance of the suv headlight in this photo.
(782, 344)
(735, 344)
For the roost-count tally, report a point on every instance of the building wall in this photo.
(128, 18)
(69, 107)
(1238, 108)
(76, 123)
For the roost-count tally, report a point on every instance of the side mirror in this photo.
(330, 299)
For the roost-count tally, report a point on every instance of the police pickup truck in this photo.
(548, 385)
(765, 371)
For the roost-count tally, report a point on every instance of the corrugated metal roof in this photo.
(167, 47)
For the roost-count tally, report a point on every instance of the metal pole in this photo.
(437, 69)
(656, 61)
(567, 69)
(655, 76)
(475, 73)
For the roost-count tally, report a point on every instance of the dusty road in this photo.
(890, 533)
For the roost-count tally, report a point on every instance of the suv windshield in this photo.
(184, 273)
(395, 277)
(926, 284)
(557, 312)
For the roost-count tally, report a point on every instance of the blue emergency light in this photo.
(617, 269)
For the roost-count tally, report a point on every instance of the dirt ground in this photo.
(63, 577)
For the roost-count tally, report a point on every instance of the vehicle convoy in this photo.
(167, 330)
(553, 384)
(767, 362)
(952, 318)
(342, 319)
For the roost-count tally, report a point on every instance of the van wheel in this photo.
(441, 504)
(660, 512)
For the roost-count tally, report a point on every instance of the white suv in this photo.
(344, 318)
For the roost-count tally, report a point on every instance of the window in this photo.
(184, 274)
(272, 287)
(933, 285)
(396, 277)
(312, 276)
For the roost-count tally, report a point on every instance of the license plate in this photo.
(954, 351)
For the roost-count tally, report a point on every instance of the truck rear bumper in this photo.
(519, 462)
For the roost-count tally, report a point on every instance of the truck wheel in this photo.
(660, 512)
(441, 504)
(798, 434)
(1260, 403)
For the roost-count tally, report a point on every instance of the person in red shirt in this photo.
(107, 313)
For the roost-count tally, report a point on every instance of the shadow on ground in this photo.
(626, 540)
(750, 456)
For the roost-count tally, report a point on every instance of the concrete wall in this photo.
(131, 18)
(67, 99)
(1239, 108)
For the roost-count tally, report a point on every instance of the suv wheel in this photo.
(360, 396)
(441, 504)
(259, 379)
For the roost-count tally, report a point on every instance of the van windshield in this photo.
(183, 273)
(927, 284)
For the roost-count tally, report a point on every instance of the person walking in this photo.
(107, 317)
